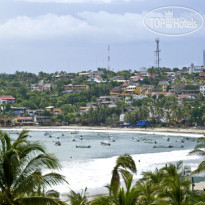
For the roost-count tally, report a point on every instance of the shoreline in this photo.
(195, 133)
(161, 131)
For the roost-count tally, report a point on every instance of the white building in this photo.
(143, 70)
(202, 90)
(129, 100)
(196, 69)
(3, 101)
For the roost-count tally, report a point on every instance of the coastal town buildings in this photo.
(8, 98)
(75, 88)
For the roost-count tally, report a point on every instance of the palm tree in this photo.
(146, 192)
(21, 178)
(78, 198)
(125, 165)
(153, 177)
(125, 196)
(175, 187)
(102, 200)
(199, 149)
(148, 186)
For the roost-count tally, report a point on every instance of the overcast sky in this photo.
(73, 35)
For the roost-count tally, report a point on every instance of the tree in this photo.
(21, 178)
(70, 118)
(175, 187)
(175, 69)
(78, 198)
(67, 108)
(146, 192)
(125, 165)
(127, 195)
(119, 195)
(199, 149)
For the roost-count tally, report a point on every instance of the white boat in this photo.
(150, 141)
(14, 132)
(105, 143)
(111, 139)
(166, 138)
(47, 133)
(138, 139)
(181, 140)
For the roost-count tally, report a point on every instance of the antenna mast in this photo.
(108, 58)
(157, 53)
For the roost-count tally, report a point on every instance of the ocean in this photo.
(92, 167)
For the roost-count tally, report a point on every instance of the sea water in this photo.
(92, 167)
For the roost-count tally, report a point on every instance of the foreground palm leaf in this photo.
(125, 166)
(21, 166)
(175, 187)
(199, 150)
(78, 198)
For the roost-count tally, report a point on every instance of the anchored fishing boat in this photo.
(169, 146)
(83, 146)
(57, 143)
(105, 143)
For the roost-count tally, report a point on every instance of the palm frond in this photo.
(39, 200)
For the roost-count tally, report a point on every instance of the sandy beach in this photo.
(163, 130)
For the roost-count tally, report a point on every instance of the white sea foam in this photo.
(95, 174)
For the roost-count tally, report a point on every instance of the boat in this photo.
(180, 140)
(83, 146)
(57, 143)
(139, 139)
(166, 138)
(136, 139)
(47, 133)
(159, 146)
(111, 139)
(150, 141)
(169, 146)
(105, 143)
(14, 132)
(74, 132)
(109, 135)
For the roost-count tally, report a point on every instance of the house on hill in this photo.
(8, 98)
(75, 88)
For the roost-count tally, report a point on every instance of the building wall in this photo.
(138, 90)
(202, 90)
(76, 87)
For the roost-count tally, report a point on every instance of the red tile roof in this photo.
(7, 97)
